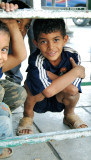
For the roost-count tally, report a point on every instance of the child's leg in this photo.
(70, 100)
(5, 132)
(6, 129)
(26, 122)
(15, 95)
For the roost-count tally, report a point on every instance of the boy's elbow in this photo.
(72, 90)
(23, 57)
(48, 93)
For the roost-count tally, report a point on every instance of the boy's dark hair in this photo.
(20, 3)
(3, 27)
(48, 26)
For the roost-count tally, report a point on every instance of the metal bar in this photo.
(53, 2)
(66, 3)
(89, 4)
(45, 137)
(31, 13)
(36, 4)
(31, 3)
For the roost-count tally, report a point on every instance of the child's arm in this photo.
(18, 47)
(62, 82)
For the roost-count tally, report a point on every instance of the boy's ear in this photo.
(66, 39)
(36, 44)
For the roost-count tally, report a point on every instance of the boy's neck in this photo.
(56, 62)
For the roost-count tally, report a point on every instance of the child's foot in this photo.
(74, 121)
(7, 152)
(25, 126)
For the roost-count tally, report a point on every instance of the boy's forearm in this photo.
(18, 47)
(61, 83)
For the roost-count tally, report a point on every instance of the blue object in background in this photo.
(71, 3)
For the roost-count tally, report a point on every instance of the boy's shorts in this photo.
(49, 104)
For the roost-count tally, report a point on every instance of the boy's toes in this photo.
(26, 131)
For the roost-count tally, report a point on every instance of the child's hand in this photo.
(73, 62)
(8, 6)
(80, 69)
(9, 22)
(51, 75)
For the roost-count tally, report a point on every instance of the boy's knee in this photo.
(72, 91)
(71, 99)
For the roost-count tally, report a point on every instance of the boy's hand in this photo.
(8, 6)
(80, 69)
(51, 75)
(73, 62)
(10, 22)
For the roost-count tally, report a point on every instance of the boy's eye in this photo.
(18, 21)
(27, 27)
(43, 42)
(56, 40)
(4, 50)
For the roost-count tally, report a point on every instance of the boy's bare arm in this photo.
(60, 83)
(18, 47)
(68, 89)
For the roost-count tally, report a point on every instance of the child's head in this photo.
(24, 24)
(48, 26)
(50, 37)
(4, 43)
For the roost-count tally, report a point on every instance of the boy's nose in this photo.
(50, 45)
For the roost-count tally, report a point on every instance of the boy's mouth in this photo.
(52, 53)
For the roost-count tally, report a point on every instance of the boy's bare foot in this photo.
(25, 126)
(74, 121)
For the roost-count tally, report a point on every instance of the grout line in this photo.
(49, 144)
(82, 106)
(86, 110)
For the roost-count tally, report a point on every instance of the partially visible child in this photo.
(15, 74)
(10, 93)
(54, 76)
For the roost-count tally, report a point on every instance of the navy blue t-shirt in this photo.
(37, 78)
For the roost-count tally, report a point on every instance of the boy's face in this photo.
(4, 46)
(24, 25)
(51, 46)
